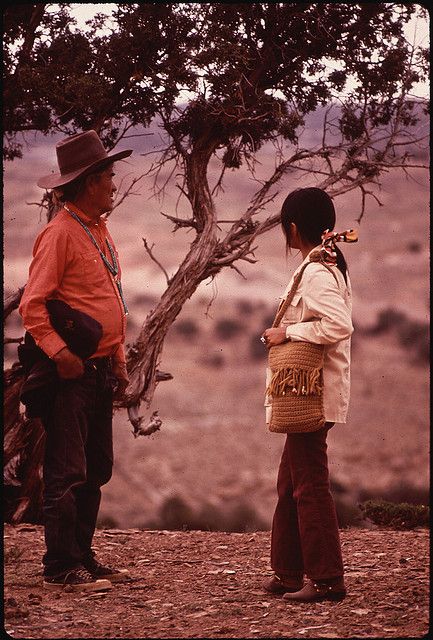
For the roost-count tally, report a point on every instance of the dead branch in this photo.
(126, 193)
(179, 222)
(153, 425)
(152, 257)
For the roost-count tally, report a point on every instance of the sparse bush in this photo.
(412, 334)
(245, 307)
(387, 320)
(397, 493)
(176, 514)
(107, 522)
(243, 518)
(213, 360)
(210, 518)
(186, 328)
(228, 328)
(395, 516)
(415, 336)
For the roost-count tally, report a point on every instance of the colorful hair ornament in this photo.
(329, 238)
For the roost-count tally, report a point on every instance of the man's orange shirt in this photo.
(67, 266)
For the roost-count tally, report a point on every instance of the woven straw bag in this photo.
(296, 386)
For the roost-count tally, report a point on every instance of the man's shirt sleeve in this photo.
(50, 255)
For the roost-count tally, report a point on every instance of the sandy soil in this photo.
(208, 585)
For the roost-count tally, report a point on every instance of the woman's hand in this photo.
(274, 336)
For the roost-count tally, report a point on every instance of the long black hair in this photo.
(313, 212)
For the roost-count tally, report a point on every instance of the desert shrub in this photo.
(395, 515)
(412, 334)
(176, 514)
(245, 307)
(107, 522)
(187, 328)
(387, 320)
(213, 360)
(415, 336)
(228, 328)
(243, 518)
(398, 492)
(210, 518)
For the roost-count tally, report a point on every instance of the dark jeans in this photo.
(78, 461)
(305, 537)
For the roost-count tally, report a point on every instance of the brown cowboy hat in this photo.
(76, 155)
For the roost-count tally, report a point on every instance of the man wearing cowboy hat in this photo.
(76, 267)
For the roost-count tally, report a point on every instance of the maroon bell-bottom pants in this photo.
(305, 538)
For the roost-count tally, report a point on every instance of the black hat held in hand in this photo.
(81, 333)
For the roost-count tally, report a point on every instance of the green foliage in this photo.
(395, 516)
(252, 70)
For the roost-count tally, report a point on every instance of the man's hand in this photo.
(274, 336)
(119, 371)
(69, 366)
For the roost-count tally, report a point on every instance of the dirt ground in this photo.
(197, 584)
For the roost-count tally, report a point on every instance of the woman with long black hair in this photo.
(305, 538)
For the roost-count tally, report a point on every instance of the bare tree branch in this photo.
(180, 222)
(150, 253)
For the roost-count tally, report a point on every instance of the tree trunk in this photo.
(143, 357)
(22, 455)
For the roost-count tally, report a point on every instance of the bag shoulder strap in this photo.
(285, 304)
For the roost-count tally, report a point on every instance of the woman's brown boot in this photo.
(279, 585)
(317, 590)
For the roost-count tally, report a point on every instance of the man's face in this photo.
(104, 190)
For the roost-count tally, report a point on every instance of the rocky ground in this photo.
(196, 584)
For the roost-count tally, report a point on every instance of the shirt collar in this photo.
(89, 222)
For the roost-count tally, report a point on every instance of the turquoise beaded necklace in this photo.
(113, 268)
